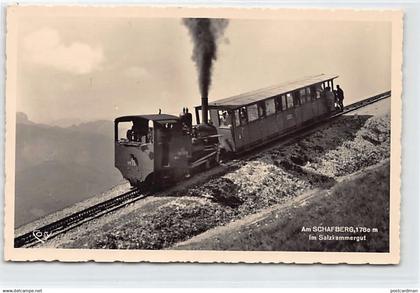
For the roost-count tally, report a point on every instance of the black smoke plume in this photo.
(205, 33)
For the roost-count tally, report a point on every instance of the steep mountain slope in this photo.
(56, 167)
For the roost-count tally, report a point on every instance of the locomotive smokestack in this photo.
(204, 108)
(204, 33)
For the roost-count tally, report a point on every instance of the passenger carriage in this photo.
(250, 119)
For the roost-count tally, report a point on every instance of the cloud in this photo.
(45, 47)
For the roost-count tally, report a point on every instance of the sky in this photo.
(82, 69)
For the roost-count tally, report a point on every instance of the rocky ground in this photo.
(359, 200)
(278, 175)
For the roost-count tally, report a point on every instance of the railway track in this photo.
(60, 226)
(357, 105)
(364, 103)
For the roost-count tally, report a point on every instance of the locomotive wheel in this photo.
(148, 184)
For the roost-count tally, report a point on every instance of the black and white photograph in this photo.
(207, 135)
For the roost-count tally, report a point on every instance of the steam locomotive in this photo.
(160, 149)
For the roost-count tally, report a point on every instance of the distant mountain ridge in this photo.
(65, 122)
(57, 167)
(22, 118)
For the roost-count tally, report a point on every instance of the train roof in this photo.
(268, 92)
(153, 117)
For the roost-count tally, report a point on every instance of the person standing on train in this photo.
(340, 97)
(336, 104)
(188, 118)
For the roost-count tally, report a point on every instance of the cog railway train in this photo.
(160, 149)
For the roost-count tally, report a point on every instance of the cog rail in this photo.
(78, 218)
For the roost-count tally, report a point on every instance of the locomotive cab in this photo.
(151, 149)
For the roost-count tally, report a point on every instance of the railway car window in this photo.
(318, 90)
(261, 109)
(289, 98)
(252, 112)
(296, 99)
(140, 132)
(199, 115)
(277, 100)
(237, 118)
(221, 116)
(312, 93)
(149, 136)
(243, 116)
(302, 94)
(283, 102)
(270, 107)
(309, 95)
(225, 119)
(124, 131)
(211, 118)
